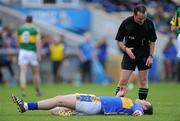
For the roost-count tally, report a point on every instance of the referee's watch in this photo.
(151, 56)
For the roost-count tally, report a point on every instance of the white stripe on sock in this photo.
(25, 106)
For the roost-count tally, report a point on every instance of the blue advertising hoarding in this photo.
(77, 20)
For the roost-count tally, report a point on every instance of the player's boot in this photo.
(23, 94)
(20, 104)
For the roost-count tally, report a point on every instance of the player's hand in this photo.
(173, 28)
(149, 61)
(137, 113)
(130, 53)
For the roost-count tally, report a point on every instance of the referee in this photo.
(136, 37)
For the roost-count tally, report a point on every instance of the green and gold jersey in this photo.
(27, 36)
(176, 20)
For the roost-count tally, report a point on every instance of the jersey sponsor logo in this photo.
(87, 98)
(26, 37)
(131, 37)
(126, 103)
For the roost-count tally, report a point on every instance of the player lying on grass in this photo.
(86, 104)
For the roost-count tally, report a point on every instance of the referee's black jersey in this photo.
(136, 35)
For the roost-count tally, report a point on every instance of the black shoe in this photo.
(117, 90)
(20, 104)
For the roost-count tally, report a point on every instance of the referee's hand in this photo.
(149, 61)
(130, 53)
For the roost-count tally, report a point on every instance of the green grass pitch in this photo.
(165, 98)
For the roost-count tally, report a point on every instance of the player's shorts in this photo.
(88, 104)
(130, 64)
(27, 57)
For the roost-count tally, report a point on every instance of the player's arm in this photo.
(137, 110)
(173, 28)
(173, 24)
(137, 113)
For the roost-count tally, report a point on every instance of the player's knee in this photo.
(60, 101)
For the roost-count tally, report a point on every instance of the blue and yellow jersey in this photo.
(176, 20)
(119, 105)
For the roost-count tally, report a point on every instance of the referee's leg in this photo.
(122, 85)
(143, 90)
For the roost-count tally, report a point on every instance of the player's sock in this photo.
(117, 90)
(38, 92)
(23, 94)
(25, 106)
(32, 105)
(143, 92)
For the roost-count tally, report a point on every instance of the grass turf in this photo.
(165, 98)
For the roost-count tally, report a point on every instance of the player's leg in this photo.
(23, 61)
(68, 101)
(36, 79)
(35, 71)
(88, 104)
(56, 67)
(22, 78)
(143, 82)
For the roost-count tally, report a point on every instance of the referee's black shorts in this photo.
(130, 64)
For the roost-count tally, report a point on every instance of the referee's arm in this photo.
(149, 60)
(126, 49)
(122, 46)
(152, 46)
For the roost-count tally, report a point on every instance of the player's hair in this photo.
(149, 110)
(29, 19)
(140, 8)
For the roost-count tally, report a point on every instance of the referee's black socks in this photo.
(143, 92)
(117, 90)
